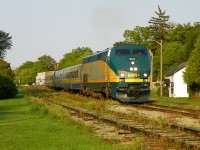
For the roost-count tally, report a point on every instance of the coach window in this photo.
(66, 75)
(76, 74)
(99, 56)
(172, 87)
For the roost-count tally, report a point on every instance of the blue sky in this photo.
(55, 27)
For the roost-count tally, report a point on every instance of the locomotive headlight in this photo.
(131, 68)
(145, 74)
(122, 75)
(135, 68)
(132, 62)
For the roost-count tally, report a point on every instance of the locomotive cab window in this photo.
(139, 52)
(122, 52)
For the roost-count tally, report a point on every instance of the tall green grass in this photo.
(31, 126)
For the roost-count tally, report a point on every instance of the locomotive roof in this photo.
(121, 45)
(96, 53)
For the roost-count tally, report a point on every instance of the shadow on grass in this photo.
(11, 107)
(12, 112)
(18, 96)
(14, 120)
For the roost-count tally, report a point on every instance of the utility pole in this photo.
(161, 64)
(151, 54)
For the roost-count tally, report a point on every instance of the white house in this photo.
(177, 86)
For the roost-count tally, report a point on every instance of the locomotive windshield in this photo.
(139, 52)
(123, 52)
(127, 52)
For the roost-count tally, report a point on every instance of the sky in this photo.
(55, 27)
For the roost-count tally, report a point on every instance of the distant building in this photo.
(177, 86)
(40, 78)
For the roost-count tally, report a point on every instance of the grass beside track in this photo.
(24, 125)
(179, 102)
(176, 102)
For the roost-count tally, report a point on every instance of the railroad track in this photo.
(167, 109)
(188, 140)
(172, 110)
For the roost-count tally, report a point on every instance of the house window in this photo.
(172, 87)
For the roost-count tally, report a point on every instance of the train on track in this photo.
(121, 72)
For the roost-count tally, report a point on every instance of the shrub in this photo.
(8, 88)
(165, 92)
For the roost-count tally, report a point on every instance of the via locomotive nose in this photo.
(133, 70)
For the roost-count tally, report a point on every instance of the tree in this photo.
(139, 35)
(159, 26)
(191, 75)
(7, 88)
(179, 33)
(44, 63)
(191, 38)
(5, 43)
(5, 69)
(25, 73)
(185, 34)
(75, 57)
(173, 55)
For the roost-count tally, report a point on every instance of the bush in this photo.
(194, 91)
(8, 88)
(165, 92)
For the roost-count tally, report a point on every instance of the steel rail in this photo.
(190, 141)
(166, 109)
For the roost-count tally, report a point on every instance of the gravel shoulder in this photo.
(169, 118)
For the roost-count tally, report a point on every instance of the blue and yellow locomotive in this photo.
(121, 72)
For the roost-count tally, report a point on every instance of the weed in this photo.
(138, 143)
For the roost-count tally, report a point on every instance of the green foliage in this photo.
(173, 55)
(5, 43)
(74, 58)
(191, 75)
(165, 92)
(7, 88)
(44, 63)
(139, 35)
(179, 33)
(185, 34)
(5, 69)
(25, 73)
(191, 37)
